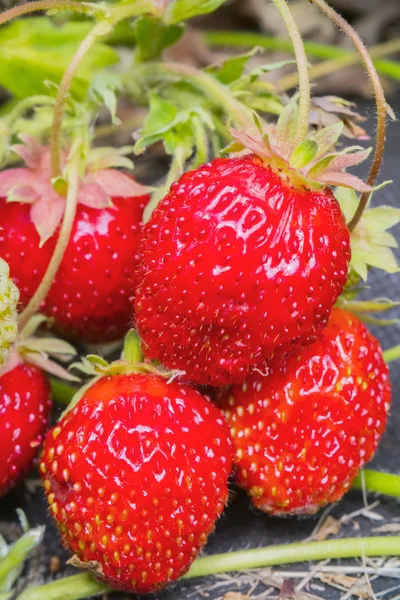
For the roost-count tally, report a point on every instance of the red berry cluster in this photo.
(234, 279)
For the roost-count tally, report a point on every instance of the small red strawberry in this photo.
(25, 401)
(136, 475)
(302, 433)
(91, 297)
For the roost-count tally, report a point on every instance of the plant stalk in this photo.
(381, 483)
(43, 5)
(83, 586)
(55, 139)
(342, 62)
(392, 354)
(302, 68)
(381, 104)
(61, 246)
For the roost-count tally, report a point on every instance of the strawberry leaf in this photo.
(181, 10)
(153, 36)
(232, 68)
(41, 51)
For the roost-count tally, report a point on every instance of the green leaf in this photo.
(104, 90)
(303, 154)
(180, 10)
(153, 36)
(162, 117)
(232, 68)
(34, 51)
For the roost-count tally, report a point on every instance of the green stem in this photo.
(55, 139)
(381, 104)
(175, 171)
(62, 392)
(294, 553)
(392, 354)
(323, 51)
(83, 586)
(61, 246)
(76, 587)
(302, 69)
(336, 64)
(89, 8)
(217, 92)
(381, 483)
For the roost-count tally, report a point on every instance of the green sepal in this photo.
(153, 36)
(371, 244)
(132, 351)
(303, 154)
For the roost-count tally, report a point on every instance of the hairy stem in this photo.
(83, 586)
(381, 483)
(62, 95)
(174, 173)
(392, 354)
(381, 105)
(42, 5)
(61, 246)
(337, 64)
(61, 391)
(302, 68)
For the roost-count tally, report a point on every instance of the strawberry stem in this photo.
(55, 139)
(392, 354)
(381, 104)
(381, 483)
(62, 392)
(83, 586)
(43, 5)
(302, 68)
(76, 587)
(62, 242)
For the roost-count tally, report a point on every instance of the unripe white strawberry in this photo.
(9, 296)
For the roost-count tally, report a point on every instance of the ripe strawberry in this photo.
(25, 404)
(136, 474)
(302, 433)
(9, 295)
(91, 297)
(25, 400)
(237, 263)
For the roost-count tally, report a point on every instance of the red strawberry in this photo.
(236, 264)
(25, 400)
(25, 404)
(302, 433)
(91, 297)
(136, 474)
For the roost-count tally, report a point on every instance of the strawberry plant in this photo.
(242, 270)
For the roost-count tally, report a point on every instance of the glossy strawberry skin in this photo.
(25, 404)
(301, 434)
(91, 297)
(136, 476)
(234, 266)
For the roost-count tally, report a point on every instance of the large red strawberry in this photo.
(25, 401)
(302, 433)
(91, 297)
(136, 474)
(236, 262)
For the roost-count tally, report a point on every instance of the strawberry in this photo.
(9, 295)
(25, 401)
(91, 297)
(237, 263)
(136, 474)
(302, 433)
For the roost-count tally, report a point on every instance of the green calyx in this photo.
(313, 164)
(37, 351)
(371, 243)
(9, 296)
